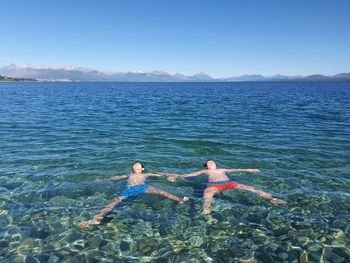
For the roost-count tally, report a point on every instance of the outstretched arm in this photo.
(192, 174)
(242, 170)
(163, 174)
(171, 177)
(114, 178)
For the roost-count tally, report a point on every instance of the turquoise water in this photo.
(57, 138)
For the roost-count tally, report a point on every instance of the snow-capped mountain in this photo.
(68, 73)
(86, 74)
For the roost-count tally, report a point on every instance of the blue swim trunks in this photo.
(135, 190)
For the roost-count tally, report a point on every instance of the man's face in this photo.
(137, 168)
(211, 165)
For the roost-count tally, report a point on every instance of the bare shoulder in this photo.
(215, 171)
(149, 174)
(211, 172)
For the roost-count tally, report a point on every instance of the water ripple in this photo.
(57, 138)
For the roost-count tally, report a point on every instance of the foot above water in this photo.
(185, 199)
(89, 223)
(276, 201)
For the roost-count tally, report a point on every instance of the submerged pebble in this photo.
(195, 241)
(124, 246)
(41, 233)
(303, 257)
(146, 246)
(77, 245)
(31, 259)
(249, 260)
(337, 259)
(341, 237)
(26, 245)
(283, 255)
(94, 242)
(265, 257)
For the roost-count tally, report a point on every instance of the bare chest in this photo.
(136, 179)
(216, 176)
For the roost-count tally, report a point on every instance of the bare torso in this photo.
(215, 175)
(136, 179)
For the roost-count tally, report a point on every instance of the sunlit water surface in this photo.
(57, 138)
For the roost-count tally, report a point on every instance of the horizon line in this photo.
(171, 73)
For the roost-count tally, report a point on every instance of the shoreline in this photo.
(269, 81)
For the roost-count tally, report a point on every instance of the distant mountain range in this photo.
(66, 73)
(7, 79)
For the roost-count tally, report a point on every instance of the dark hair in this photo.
(139, 163)
(205, 164)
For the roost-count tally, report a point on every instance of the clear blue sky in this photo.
(221, 38)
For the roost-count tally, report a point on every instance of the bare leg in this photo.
(166, 195)
(208, 197)
(103, 213)
(263, 194)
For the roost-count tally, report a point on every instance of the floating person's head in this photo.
(210, 164)
(137, 167)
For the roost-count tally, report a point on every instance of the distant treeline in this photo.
(2, 78)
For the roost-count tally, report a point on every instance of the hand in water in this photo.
(103, 179)
(172, 179)
(276, 201)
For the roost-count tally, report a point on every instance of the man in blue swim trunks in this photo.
(135, 186)
(219, 182)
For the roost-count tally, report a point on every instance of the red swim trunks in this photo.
(224, 185)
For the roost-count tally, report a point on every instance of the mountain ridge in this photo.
(70, 73)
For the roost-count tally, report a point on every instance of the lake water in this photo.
(57, 138)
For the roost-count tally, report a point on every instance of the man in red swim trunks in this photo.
(219, 182)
